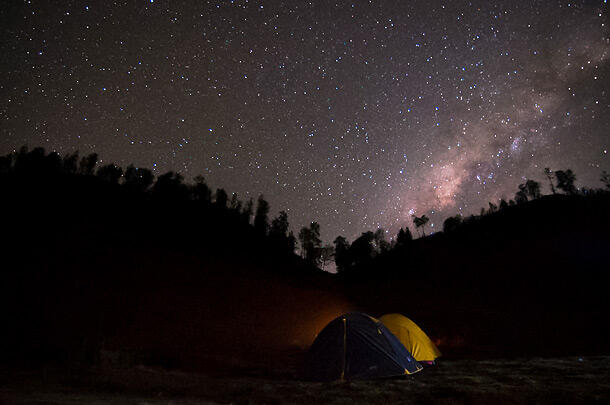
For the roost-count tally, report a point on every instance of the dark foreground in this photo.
(540, 380)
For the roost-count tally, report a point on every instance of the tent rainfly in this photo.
(358, 346)
(412, 337)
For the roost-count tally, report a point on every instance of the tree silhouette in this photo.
(31, 162)
(492, 208)
(291, 242)
(420, 222)
(87, 164)
(6, 164)
(69, 163)
(532, 188)
(221, 199)
(110, 173)
(246, 214)
(342, 255)
(279, 226)
(21, 160)
(381, 243)
(138, 179)
(261, 222)
(521, 195)
(170, 185)
(310, 243)
(549, 175)
(565, 181)
(53, 163)
(327, 252)
(363, 248)
(403, 237)
(503, 204)
(235, 204)
(452, 223)
(605, 178)
(279, 232)
(200, 190)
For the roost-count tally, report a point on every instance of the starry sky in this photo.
(353, 114)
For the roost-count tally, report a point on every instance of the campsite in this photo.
(304, 202)
(141, 305)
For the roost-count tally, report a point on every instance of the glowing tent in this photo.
(412, 337)
(357, 346)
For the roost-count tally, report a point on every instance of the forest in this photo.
(112, 266)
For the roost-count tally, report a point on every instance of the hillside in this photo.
(95, 273)
(101, 273)
(530, 279)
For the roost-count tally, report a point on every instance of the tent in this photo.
(357, 346)
(412, 337)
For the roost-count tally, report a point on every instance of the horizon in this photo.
(355, 116)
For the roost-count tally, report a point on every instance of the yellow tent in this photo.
(411, 336)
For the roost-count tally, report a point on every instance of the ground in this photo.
(566, 380)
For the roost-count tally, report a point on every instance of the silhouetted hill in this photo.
(96, 273)
(530, 279)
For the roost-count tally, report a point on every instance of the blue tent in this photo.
(357, 346)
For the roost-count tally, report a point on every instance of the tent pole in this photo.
(344, 349)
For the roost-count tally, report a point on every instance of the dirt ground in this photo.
(566, 380)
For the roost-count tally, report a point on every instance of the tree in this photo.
(521, 195)
(327, 252)
(605, 178)
(381, 243)
(246, 213)
(170, 185)
(221, 198)
(503, 204)
(492, 208)
(69, 163)
(21, 159)
(235, 204)
(279, 226)
(549, 175)
(32, 162)
(279, 231)
(532, 188)
(342, 255)
(200, 191)
(6, 164)
(565, 181)
(137, 179)
(452, 223)
(53, 163)
(527, 190)
(291, 242)
(110, 173)
(261, 222)
(87, 164)
(363, 248)
(420, 222)
(403, 237)
(310, 243)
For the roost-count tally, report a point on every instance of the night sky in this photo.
(352, 114)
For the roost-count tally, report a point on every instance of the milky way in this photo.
(353, 114)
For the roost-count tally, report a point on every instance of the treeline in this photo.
(530, 191)
(102, 259)
(171, 187)
(370, 244)
(37, 165)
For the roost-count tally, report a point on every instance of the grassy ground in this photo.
(551, 381)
